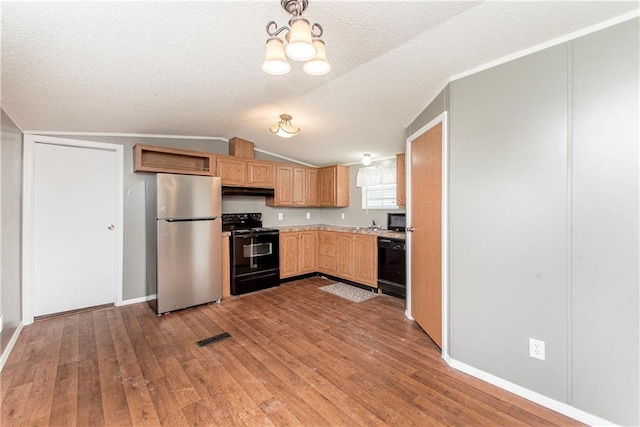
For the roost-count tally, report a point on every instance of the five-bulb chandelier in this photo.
(303, 43)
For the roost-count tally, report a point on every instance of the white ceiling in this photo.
(193, 68)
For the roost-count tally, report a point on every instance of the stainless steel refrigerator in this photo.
(183, 240)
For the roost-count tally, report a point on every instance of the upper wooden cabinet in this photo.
(283, 193)
(233, 172)
(237, 172)
(242, 148)
(333, 186)
(260, 174)
(401, 187)
(311, 184)
(148, 158)
(299, 186)
(295, 186)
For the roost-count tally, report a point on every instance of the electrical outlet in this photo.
(342, 215)
(308, 215)
(536, 349)
(280, 216)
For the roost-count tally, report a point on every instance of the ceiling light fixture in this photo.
(284, 128)
(303, 43)
(366, 159)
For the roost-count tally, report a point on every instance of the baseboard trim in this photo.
(137, 300)
(12, 342)
(538, 398)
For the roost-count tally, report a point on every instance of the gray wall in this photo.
(544, 220)
(11, 285)
(605, 255)
(134, 276)
(508, 213)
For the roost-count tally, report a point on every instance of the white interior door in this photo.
(75, 213)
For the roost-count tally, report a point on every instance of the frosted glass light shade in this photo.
(366, 159)
(300, 45)
(284, 128)
(318, 65)
(275, 61)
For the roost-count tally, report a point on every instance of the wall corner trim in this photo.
(533, 396)
(12, 342)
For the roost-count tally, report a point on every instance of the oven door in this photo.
(255, 253)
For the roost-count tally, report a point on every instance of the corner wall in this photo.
(545, 221)
(11, 238)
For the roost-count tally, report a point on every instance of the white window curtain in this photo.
(382, 174)
(378, 185)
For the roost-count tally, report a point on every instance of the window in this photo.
(378, 185)
(381, 196)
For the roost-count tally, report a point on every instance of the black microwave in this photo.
(396, 221)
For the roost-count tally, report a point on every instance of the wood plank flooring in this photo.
(296, 356)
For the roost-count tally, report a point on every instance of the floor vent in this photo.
(213, 339)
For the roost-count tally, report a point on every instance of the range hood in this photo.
(247, 191)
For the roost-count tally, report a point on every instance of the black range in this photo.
(254, 253)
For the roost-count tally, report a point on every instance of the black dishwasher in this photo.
(392, 274)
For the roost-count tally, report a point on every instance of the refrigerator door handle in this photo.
(208, 218)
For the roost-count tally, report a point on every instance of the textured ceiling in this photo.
(193, 68)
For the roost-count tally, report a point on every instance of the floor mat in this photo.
(351, 293)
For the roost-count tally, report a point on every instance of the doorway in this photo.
(427, 208)
(73, 225)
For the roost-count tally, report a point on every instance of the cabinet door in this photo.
(333, 184)
(307, 247)
(233, 172)
(400, 180)
(298, 186)
(365, 259)
(284, 186)
(344, 255)
(260, 174)
(311, 187)
(327, 185)
(289, 254)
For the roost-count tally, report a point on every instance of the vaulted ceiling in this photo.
(193, 68)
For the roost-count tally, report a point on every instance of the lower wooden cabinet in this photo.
(365, 259)
(350, 256)
(297, 253)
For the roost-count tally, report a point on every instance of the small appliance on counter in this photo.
(183, 240)
(255, 253)
(396, 221)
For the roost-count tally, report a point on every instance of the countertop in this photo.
(342, 229)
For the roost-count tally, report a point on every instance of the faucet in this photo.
(373, 225)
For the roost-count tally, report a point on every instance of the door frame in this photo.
(444, 247)
(28, 215)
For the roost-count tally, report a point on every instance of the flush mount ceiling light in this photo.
(284, 128)
(303, 43)
(366, 159)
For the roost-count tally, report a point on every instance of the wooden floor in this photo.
(296, 356)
